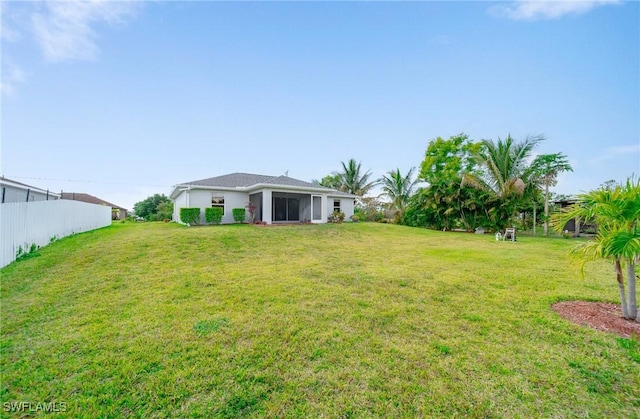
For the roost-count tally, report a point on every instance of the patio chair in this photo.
(509, 233)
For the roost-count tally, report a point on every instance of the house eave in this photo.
(18, 185)
(277, 187)
(253, 188)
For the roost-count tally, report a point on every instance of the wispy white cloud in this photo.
(7, 33)
(11, 76)
(610, 153)
(546, 9)
(64, 29)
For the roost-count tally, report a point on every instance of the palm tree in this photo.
(398, 188)
(505, 170)
(353, 180)
(616, 212)
(546, 168)
(333, 181)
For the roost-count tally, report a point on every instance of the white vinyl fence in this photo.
(40, 222)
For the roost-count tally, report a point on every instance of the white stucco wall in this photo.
(346, 206)
(199, 198)
(179, 202)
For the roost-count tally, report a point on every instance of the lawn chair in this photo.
(509, 233)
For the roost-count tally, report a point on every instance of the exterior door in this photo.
(286, 209)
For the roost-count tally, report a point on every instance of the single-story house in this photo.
(277, 199)
(573, 226)
(13, 191)
(117, 213)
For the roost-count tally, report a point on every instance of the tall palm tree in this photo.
(398, 188)
(505, 170)
(616, 212)
(353, 180)
(546, 168)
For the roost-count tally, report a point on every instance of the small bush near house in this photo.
(239, 214)
(213, 215)
(337, 217)
(190, 215)
(251, 209)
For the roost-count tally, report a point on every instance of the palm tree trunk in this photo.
(546, 209)
(631, 277)
(620, 278)
(534, 218)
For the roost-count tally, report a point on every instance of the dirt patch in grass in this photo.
(600, 316)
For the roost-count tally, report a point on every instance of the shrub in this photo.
(213, 215)
(251, 209)
(239, 214)
(190, 215)
(337, 217)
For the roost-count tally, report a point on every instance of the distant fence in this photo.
(25, 223)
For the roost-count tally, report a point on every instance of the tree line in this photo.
(467, 185)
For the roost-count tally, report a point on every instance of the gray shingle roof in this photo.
(85, 197)
(245, 180)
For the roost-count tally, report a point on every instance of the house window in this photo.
(218, 202)
(336, 205)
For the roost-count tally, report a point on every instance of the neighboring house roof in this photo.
(248, 181)
(20, 185)
(566, 201)
(85, 197)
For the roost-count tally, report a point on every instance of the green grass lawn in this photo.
(352, 320)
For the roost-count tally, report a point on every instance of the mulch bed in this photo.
(600, 316)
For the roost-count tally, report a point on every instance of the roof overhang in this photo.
(18, 185)
(260, 186)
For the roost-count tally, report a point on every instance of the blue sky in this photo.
(123, 100)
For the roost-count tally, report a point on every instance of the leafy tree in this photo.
(333, 181)
(448, 159)
(616, 212)
(369, 209)
(505, 174)
(353, 180)
(445, 203)
(148, 208)
(546, 168)
(164, 210)
(398, 189)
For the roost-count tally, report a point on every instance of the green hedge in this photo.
(190, 215)
(213, 215)
(239, 214)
